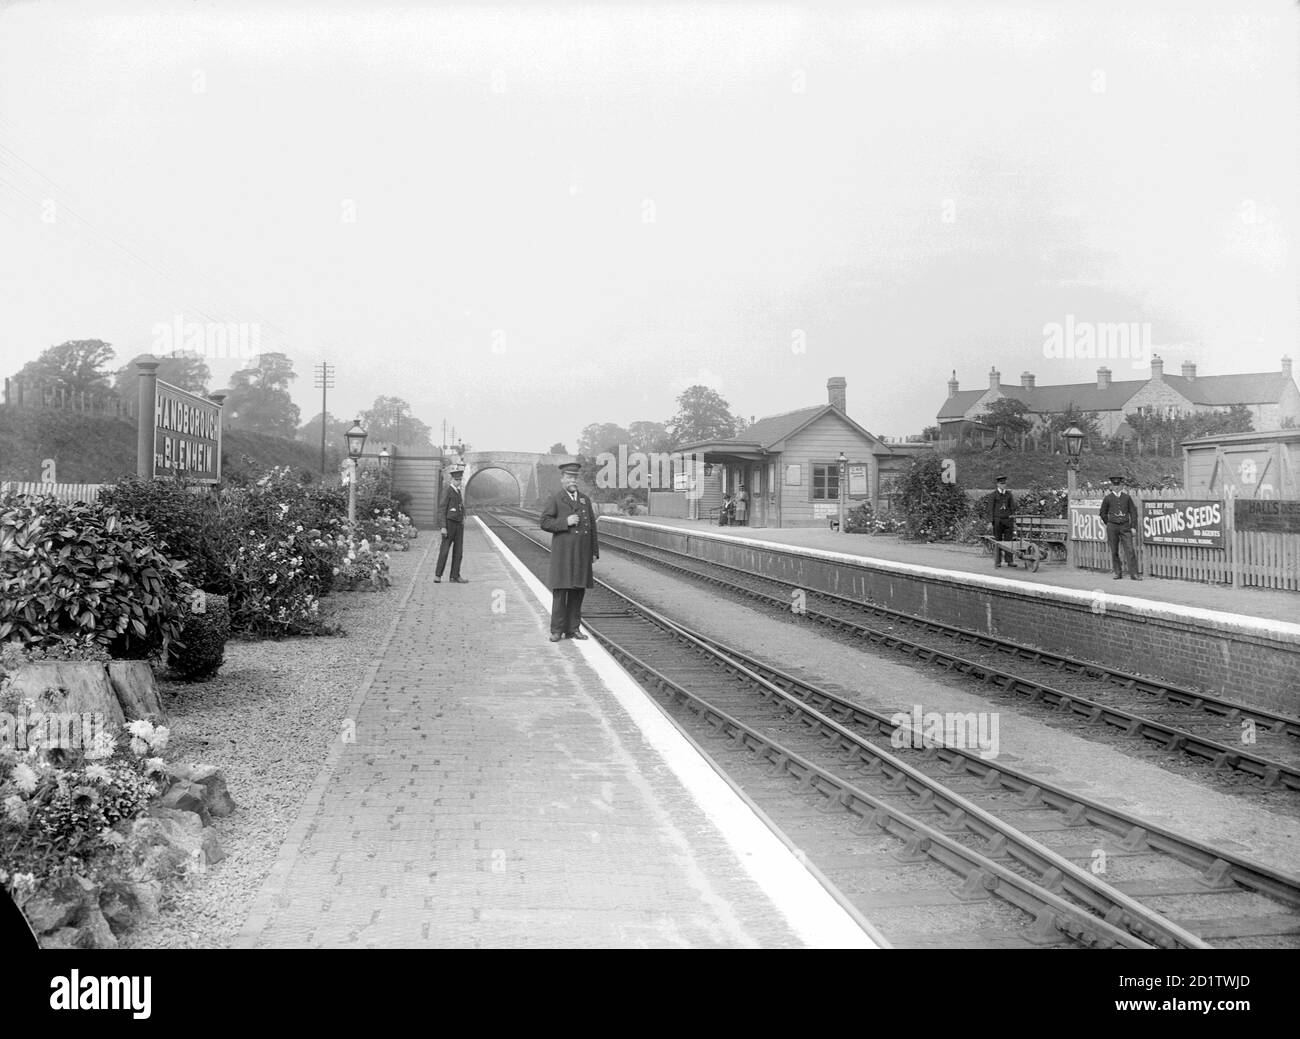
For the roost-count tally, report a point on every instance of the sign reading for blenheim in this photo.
(186, 435)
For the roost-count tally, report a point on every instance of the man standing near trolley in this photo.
(572, 523)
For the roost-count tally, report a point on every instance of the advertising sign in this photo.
(858, 481)
(1270, 515)
(1085, 520)
(1181, 522)
(186, 435)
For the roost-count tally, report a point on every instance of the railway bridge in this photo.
(423, 476)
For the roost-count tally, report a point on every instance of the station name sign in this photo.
(1270, 515)
(1179, 522)
(186, 435)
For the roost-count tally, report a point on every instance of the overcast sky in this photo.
(526, 218)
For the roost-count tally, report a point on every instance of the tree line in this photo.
(257, 398)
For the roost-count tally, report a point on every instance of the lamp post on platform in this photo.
(356, 438)
(1073, 438)
(844, 473)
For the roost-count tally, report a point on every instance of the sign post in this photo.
(148, 371)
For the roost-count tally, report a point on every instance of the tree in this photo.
(1007, 416)
(334, 429)
(258, 398)
(649, 437)
(184, 368)
(930, 433)
(390, 419)
(702, 414)
(558, 449)
(602, 436)
(74, 367)
(1087, 421)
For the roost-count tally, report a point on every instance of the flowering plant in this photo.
(362, 565)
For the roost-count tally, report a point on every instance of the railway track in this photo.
(1179, 720)
(1011, 840)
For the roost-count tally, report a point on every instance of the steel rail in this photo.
(1054, 870)
(1173, 738)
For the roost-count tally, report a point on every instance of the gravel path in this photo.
(267, 720)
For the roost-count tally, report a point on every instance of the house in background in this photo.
(788, 464)
(1272, 397)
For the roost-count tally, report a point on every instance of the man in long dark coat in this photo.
(451, 525)
(1000, 511)
(1119, 513)
(572, 523)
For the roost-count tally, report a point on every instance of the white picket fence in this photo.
(69, 492)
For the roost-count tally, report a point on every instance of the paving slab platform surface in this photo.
(1252, 602)
(505, 791)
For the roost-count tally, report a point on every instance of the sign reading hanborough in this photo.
(186, 436)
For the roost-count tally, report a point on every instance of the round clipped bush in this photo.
(201, 647)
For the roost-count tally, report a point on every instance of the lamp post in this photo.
(844, 473)
(356, 438)
(1073, 437)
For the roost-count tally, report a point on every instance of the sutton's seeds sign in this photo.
(1179, 522)
(186, 435)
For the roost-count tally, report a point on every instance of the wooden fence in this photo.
(1248, 559)
(69, 492)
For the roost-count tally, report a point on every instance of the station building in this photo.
(788, 465)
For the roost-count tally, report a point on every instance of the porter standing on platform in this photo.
(1001, 516)
(1120, 516)
(451, 521)
(572, 523)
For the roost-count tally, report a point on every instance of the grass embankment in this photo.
(976, 469)
(101, 448)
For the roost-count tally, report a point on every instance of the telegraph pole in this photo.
(325, 380)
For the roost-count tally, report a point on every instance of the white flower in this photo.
(155, 767)
(158, 741)
(139, 747)
(271, 579)
(24, 777)
(98, 774)
(142, 727)
(24, 882)
(111, 836)
(102, 745)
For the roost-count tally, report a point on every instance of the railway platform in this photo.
(1251, 602)
(499, 790)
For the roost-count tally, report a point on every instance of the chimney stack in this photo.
(1157, 367)
(835, 392)
(995, 379)
(1286, 366)
(1103, 378)
(952, 383)
(1189, 370)
(1026, 380)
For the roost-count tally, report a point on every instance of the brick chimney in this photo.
(995, 379)
(1189, 370)
(1103, 378)
(1286, 366)
(952, 383)
(1026, 380)
(1157, 367)
(835, 392)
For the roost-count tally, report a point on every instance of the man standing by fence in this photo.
(1119, 513)
(1001, 511)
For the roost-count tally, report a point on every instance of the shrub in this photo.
(933, 508)
(185, 518)
(83, 571)
(203, 639)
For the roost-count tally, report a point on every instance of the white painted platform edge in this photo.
(1239, 623)
(809, 909)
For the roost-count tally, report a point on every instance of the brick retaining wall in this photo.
(1250, 660)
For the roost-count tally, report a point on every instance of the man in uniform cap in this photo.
(569, 517)
(1119, 514)
(451, 524)
(1001, 509)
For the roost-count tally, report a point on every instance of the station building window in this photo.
(825, 482)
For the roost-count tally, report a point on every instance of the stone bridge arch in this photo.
(522, 465)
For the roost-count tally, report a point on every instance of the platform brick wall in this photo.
(1253, 661)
